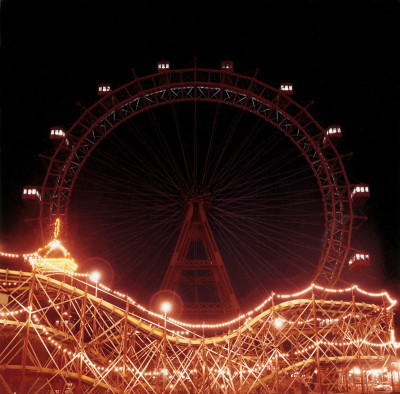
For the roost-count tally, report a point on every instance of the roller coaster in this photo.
(67, 333)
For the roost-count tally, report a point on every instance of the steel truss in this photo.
(62, 333)
(218, 86)
(214, 278)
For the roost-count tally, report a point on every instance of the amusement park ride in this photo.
(65, 331)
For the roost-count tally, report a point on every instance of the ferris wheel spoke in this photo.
(265, 181)
(142, 202)
(152, 261)
(128, 156)
(232, 239)
(137, 221)
(128, 182)
(180, 140)
(253, 196)
(138, 237)
(283, 180)
(269, 241)
(264, 167)
(210, 146)
(165, 165)
(272, 207)
(228, 243)
(169, 156)
(241, 154)
(252, 224)
(126, 178)
(195, 147)
(224, 144)
(269, 232)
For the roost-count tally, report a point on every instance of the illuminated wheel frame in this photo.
(216, 86)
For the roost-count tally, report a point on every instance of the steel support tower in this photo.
(197, 272)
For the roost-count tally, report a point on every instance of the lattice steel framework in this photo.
(60, 333)
(217, 86)
(210, 291)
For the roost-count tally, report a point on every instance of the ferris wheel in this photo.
(269, 177)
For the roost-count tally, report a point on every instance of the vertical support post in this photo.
(388, 339)
(125, 342)
(120, 353)
(357, 341)
(27, 328)
(60, 356)
(204, 367)
(316, 341)
(229, 365)
(274, 329)
(240, 356)
(62, 304)
(195, 372)
(95, 318)
(158, 352)
(132, 341)
(81, 338)
(165, 352)
(388, 336)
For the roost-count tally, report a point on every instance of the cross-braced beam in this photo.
(62, 333)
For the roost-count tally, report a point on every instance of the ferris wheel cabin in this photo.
(227, 65)
(286, 87)
(163, 66)
(333, 133)
(103, 89)
(31, 193)
(359, 195)
(359, 262)
(57, 133)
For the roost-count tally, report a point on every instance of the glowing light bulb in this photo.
(166, 307)
(54, 244)
(95, 276)
(278, 323)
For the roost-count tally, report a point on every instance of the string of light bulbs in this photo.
(55, 243)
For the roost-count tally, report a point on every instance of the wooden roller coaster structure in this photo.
(63, 332)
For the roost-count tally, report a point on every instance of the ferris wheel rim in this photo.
(245, 93)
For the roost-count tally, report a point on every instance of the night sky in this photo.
(344, 58)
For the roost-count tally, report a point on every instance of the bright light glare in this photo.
(54, 244)
(356, 370)
(166, 307)
(95, 276)
(278, 323)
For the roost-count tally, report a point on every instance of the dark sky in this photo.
(343, 55)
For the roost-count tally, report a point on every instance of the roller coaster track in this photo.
(63, 333)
